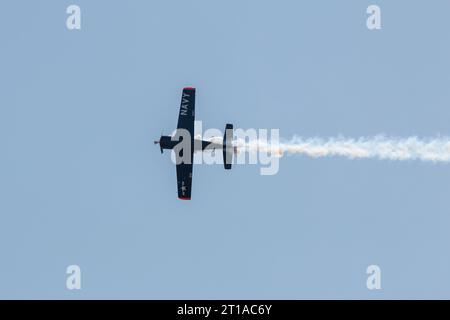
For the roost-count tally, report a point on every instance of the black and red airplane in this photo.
(186, 120)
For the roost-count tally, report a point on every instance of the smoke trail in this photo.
(379, 147)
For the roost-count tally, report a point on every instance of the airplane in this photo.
(186, 118)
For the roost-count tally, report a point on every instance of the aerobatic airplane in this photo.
(186, 120)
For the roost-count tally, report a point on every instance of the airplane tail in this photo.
(228, 147)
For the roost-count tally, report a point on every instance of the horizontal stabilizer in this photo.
(228, 147)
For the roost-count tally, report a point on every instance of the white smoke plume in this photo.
(379, 147)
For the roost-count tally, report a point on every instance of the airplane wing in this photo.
(184, 180)
(186, 116)
(186, 120)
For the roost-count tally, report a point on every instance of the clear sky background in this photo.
(82, 183)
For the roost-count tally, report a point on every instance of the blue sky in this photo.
(82, 183)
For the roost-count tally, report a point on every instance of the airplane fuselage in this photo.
(166, 142)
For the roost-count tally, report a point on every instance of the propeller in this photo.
(159, 142)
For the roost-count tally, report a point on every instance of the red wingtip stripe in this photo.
(188, 88)
(184, 198)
